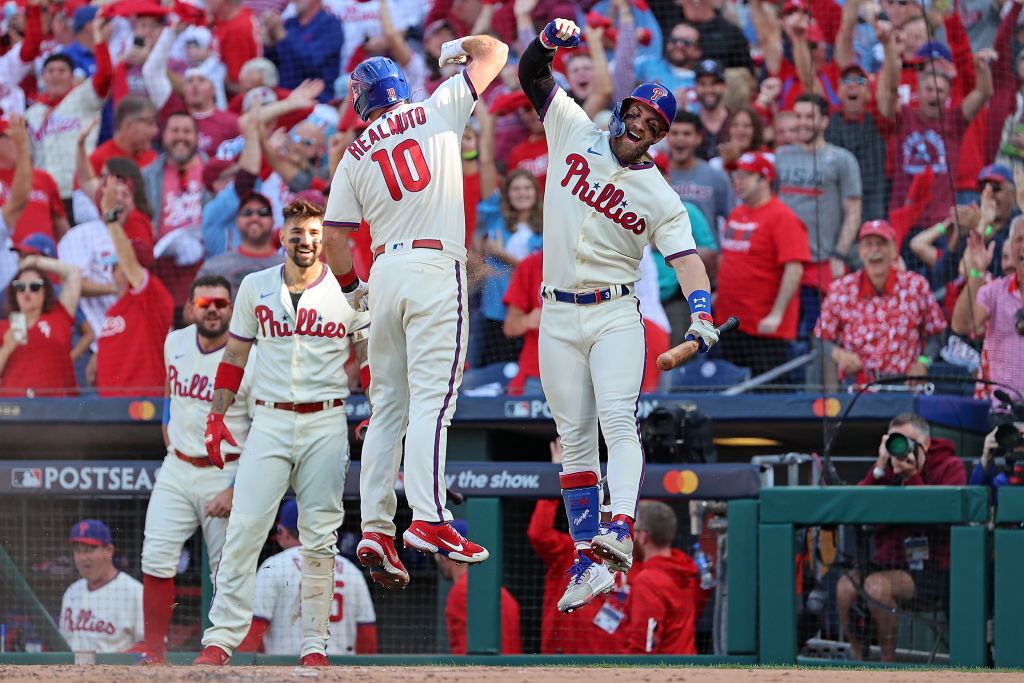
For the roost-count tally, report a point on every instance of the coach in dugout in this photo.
(910, 568)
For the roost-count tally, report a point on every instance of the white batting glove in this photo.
(560, 33)
(452, 53)
(702, 327)
(359, 298)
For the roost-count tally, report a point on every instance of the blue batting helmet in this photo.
(377, 82)
(652, 94)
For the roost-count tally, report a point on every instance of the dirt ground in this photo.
(388, 674)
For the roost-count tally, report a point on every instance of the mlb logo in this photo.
(26, 478)
(391, 94)
(517, 409)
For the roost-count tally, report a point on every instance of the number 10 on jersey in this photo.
(400, 158)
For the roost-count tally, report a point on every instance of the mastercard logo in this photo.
(141, 410)
(827, 407)
(680, 481)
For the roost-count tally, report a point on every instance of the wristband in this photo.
(941, 227)
(878, 472)
(471, 155)
(364, 377)
(167, 411)
(925, 361)
(228, 377)
(348, 281)
(837, 255)
(975, 273)
(988, 231)
(699, 301)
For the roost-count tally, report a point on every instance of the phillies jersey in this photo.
(278, 602)
(403, 174)
(190, 375)
(290, 341)
(591, 202)
(104, 619)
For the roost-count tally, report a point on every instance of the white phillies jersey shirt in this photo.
(403, 175)
(302, 353)
(190, 376)
(278, 600)
(598, 214)
(107, 619)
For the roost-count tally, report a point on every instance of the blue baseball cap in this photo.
(37, 243)
(997, 173)
(933, 49)
(288, 518)
(710, 67)
(91, 532)
(82, 16)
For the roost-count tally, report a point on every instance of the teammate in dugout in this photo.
(299, 436)
(604, 201)
(403, 175)
(190, 493)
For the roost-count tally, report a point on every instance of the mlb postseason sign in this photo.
(78, 479)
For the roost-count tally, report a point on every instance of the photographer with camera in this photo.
(1006, 441)
(911, 563)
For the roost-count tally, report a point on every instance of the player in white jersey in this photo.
(190, 492)
(603, 203)
(102, 611)
(302, 322)
(277, 608)
(403, 175)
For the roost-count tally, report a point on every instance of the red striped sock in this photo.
(625, 519)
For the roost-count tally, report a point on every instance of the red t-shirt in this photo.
(130, 358)
(215, 127)
(524, 293)
(470, 199)
(531, 155)
(43, 365)
(287, 121)
(917, 144)
(111, 149)
(576, 632)
(44, 203)
(756, 245)
(455, 616)
(237, 40)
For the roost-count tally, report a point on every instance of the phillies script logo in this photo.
(198, 386)
(84, 622)
(308, 323)
(608, 200)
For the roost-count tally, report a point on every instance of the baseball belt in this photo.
(314, 407)
(401, 246)
(204, 461)
(594, 296)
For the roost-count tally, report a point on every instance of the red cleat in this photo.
(445, 540)
(314, 659)
(212, 656)
(377, 551)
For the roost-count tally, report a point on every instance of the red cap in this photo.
(4, 125)
(794, 6)
(881, 228)
(814, 33)
(755, 162)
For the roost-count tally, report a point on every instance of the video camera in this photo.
(678, 432)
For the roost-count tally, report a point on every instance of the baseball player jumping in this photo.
(604, 201)
(403, 175)
(189, 492)
(299, 436)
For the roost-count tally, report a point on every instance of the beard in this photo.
(181, 159)
(627, 151)
(219, 330)
(302, 260)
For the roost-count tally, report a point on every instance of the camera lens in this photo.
(1007, 437)
(897, 445)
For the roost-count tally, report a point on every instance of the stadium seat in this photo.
(957, 374)
(707, 375)
(495, 373)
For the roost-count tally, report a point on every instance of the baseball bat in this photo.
(678, 355)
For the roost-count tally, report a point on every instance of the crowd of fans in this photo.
(870, 135)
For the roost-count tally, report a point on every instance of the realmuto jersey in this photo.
(190, 376)
(302, 352)
(278, 600)
(104, 619)
(403, 175)
(598, 214)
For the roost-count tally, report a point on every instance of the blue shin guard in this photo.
(582, 502)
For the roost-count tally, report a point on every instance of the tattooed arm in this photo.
(236, 353)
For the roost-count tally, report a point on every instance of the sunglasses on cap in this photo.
(262, 211)
(996, 185)
(207, 301)
(21, 286)
(854, 80)
(686, 42)
(308, 142)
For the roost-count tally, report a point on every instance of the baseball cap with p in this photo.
(755, 162)
(36, 243)
(91, 532)
(996, 173)
(933, 49)
(879, 228)
(288, 518)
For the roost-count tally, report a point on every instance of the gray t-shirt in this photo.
(814, 185)
(706, 187)
(234, 266)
